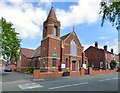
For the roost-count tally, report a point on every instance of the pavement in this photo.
(15, 76)
(21, 82)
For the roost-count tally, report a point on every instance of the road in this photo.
(108, 82)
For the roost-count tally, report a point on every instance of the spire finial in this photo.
(73, 28)
(52, 4)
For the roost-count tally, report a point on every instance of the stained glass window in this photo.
(73, 48)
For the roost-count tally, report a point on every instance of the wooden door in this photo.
(73, 66)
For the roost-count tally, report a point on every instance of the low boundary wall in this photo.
(93, 72)
(37, 74)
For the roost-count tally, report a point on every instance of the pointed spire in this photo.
(52, 14)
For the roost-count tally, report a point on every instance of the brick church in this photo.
(55, 53)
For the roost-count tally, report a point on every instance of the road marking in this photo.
(38, 80)
(107, 79)
(69, 85)
(29, 86)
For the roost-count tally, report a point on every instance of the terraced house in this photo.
(55, 53)
(101, 58)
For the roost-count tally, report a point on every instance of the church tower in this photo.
(50, 44)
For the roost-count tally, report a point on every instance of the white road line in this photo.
(69, 85)
(115, 78)
(29, 86)
(107, 79)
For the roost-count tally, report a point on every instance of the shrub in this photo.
(29, 70)
(113, 64)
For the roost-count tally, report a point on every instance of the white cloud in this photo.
(103, 37)
(26, 18)
(107, 43)
(86, 11)
(114, 46)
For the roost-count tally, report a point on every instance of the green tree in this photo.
(110, 10)
(10, 42)
(113, 64)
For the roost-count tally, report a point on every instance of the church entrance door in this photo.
(73, 65)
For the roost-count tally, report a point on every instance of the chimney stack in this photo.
(111, 50)
(96, 44)
(105, 47)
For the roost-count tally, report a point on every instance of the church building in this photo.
(55, 53)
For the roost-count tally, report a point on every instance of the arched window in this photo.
(55, 31)
(73, 48)
(53, 62)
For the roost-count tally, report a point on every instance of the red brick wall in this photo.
(37, 74)
(54, 46)
(109, 58)
(82, 72)
(67, 44)
(48, 47)
(74, 73)
(93, 72)
(44, 48)
(25, 63)
(94, 55)
(66, 50)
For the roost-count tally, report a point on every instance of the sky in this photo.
(28, 17)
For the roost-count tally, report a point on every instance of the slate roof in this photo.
(98, 49)
(27, 52)
(37, 52)
(65, 36)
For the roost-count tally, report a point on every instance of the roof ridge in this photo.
(28, 48)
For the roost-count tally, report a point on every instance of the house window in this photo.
(53, 62)
(73, 48)
(106, 65)
(101, 64)
(92, 65)
(55, 31)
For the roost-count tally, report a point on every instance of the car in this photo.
(8, 69)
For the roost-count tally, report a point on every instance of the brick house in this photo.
(100, 58)
(56, 53)
(25, 59)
